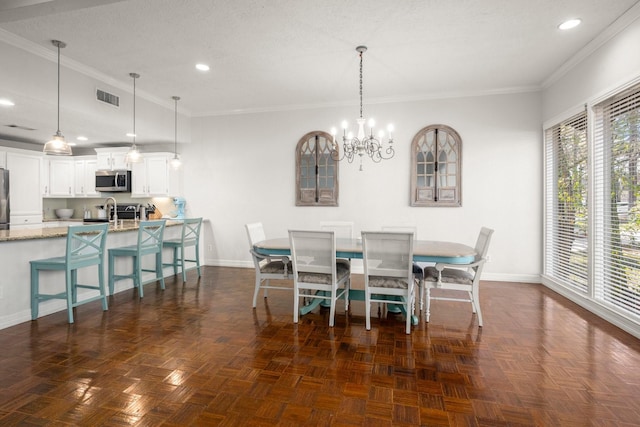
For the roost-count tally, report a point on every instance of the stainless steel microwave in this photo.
(113, 180)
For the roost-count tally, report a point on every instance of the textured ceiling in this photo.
(287, 54)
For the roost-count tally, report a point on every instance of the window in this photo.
(435, 167)
(566, 217)
(617, 193)
(592, 205)
(316, 171)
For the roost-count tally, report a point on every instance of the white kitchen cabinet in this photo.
(61, 174)
(154, 177)
(112, 158)
(85, 177)
(24, 186)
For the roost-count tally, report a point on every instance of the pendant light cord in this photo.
(134, 110)
(361, 84)
(58, 89)
(175, 145)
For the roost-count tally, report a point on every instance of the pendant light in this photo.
(133, 155)
(58, 146)
(175, 162)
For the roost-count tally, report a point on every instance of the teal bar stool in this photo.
(85, 248)
(150, 234)
(190, 237)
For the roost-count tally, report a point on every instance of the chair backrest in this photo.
(85, 244)
(482, 244)
(402, 228)
(388, 254)
(255, 232)
(150, 235)
(342, 229)
(191, 230)
(313, 251)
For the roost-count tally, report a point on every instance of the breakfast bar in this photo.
(19, 246)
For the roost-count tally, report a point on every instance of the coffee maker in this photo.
(179, 203)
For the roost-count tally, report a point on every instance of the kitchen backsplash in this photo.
(49, 205)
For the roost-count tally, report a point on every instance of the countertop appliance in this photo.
(4, 199)
(113, 180)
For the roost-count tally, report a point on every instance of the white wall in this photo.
(241, 169)
(613, 64)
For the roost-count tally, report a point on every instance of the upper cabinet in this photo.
(24, 187)
(112, 158)
(59, 177)
(85, 177)
(154, 177)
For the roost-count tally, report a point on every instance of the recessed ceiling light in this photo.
(131, 135)
(570, 23)
(202, 67)
(71, 144)
(5, 102)
(82, 138)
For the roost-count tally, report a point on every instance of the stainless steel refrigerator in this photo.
(4, 199)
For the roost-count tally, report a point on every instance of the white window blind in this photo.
(617, 202)
(566, 240)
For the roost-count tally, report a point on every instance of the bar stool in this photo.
(190, 237)
(150, 234)
(85, 248)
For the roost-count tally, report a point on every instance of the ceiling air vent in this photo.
(108, 98)
(19, 127)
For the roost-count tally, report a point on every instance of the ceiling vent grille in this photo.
(108, 98)
(19, 127)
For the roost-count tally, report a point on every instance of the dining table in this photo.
(424, 251)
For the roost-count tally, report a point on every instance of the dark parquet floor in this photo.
(197, 354)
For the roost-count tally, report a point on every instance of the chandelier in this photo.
(58, 146)
(364, 142)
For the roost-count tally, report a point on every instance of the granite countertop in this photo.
(52, 232)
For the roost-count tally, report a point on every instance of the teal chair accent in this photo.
(85, 248)
(190, 237)
(150, 236)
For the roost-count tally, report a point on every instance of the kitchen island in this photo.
(18, 247)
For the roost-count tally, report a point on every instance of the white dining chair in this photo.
(418, 267)
(342, 229)
(459, 277)
(316, 272)
(268, 267)
(388, 271)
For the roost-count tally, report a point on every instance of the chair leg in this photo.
(103, 293)
(111, 268)
(182, 264)
(137, 275)
(427, 291)
(70, 286)
(296, 304)
(198, 259)
(257, 290)
(159, 272)
(175, 260)
(332, 308)
(35, 291)
(475, 300)
(367, 310)
(74, 286)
